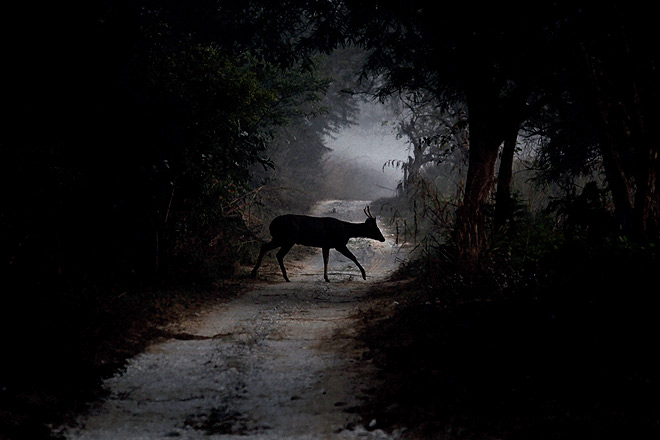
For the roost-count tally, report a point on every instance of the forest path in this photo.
(278, 362)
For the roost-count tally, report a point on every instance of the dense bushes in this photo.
(129, 141)
(551, 338)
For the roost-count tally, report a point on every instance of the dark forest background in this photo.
(144, 146)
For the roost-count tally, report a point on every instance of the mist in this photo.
(356, 166)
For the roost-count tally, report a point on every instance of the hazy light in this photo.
(371, 144)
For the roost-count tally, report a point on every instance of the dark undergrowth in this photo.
(58, 346)
(570, 353)
(63, 332)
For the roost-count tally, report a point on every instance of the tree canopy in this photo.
(134, 133)
(509, 62)
(162, 107)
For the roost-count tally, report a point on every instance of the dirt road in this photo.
(279, 362)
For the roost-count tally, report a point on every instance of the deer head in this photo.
(373, 231)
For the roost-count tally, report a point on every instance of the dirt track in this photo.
(279, 362)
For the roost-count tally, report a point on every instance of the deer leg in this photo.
(264, 249)
(348, 254)
(280, 258)
(326, 252)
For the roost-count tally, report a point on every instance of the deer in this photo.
(323, 232)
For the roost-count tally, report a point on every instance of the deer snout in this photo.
(376, 234)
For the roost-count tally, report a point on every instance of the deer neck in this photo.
(357, 230)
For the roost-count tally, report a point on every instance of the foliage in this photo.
(298, 149)
(137, 139)
(234, 122)
(437, 137)
(549, 338)
(128, 143)
(556, 361)
(157, 160)
(567, 143)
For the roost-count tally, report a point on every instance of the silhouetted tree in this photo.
(485, 56)
(602, 103)
(131, 126)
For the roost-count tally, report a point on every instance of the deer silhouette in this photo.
(324, 232)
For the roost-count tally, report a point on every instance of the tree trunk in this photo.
(616, 177)
(616, 142)
(492, 119)
(485, 139)
(646, 161)
(503, 204)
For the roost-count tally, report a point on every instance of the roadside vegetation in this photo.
(549, 336)
(146, 146)
(552, 337)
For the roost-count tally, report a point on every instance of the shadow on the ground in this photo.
(510, 370)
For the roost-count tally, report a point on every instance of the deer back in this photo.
(326, 232)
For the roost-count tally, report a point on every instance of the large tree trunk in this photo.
(616, 177)
(615, 147)
(486, 136)
(646, 164)
(492, 119)
(471, 228)
(612, 162)
(503, 204)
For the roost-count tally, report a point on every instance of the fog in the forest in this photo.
(356, 166)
